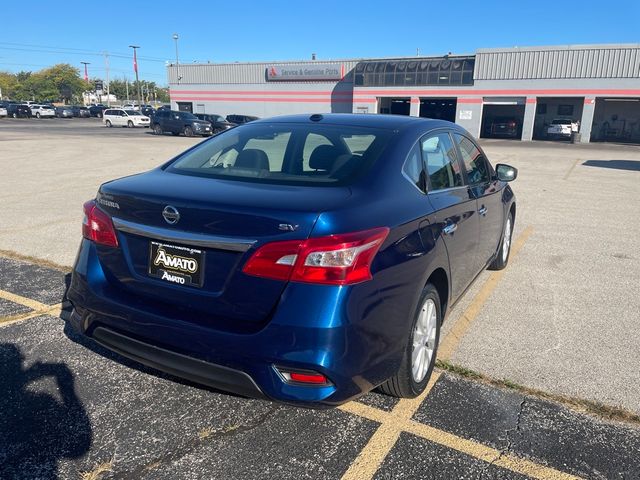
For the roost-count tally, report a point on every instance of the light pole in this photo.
(175, 37)
(135, 69)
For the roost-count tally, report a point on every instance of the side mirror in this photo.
(506, 173)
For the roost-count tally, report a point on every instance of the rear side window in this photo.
(413, 168)
(474, 162)
(279, 153)
(442, 165)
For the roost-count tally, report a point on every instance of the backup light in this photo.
(341, 259)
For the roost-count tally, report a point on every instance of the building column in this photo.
(415, 107)
(469, 115)
(586, 122)
(529, 119)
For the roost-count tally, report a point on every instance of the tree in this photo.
(8, 84)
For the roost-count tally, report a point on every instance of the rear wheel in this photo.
(502, 258)
(130, 124)
(157, 129)
(108, 123)
(420, 352)
(188, 131)
(37, 114)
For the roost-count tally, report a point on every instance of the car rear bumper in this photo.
(309, 330)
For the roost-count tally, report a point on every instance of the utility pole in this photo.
(86, 78)
(175, 37)
(126, 85)
(135, 68)
(106, 66)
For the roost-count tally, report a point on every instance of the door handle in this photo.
(450, 228)
(483, 211)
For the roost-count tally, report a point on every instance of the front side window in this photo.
(297, 154)
(442, 165)
(474, 162)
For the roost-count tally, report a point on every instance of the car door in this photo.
(487, 191)
(456, 215)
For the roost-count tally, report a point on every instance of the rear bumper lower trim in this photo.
(198, 371)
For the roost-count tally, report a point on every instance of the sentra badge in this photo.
(175, 262)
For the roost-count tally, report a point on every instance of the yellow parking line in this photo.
(27, 302)
(460, 328)
(55, 310)
(382, 441)
(392, 424)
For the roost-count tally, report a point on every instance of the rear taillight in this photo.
(303, 377)
(97, 226)
(341, 259)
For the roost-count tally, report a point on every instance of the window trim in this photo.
(404, 164)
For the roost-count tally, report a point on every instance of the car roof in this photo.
(361, 120)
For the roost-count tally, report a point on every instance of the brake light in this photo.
(341, 259)
(97, 226)
(302, 377)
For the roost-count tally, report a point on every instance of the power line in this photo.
(61, 50)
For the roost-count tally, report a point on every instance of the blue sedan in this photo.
(303, 259)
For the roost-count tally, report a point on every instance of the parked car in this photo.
(305, 259)
(117, 117)
(130, 106)
(97, 110)
(562, 128)
(42, 111)
(508, 127)
(18, 110)
(163, 107)
(80, 112)
(178, 123)
(3, 112)
(64, 112)
(218, 122)
(148, 110)
(240, 119)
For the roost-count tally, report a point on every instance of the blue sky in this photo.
(228, 31)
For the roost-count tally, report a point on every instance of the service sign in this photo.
(316, 71)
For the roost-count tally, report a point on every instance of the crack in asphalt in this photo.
(508, 433)
(198, 441)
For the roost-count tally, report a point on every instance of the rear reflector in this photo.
(341, 259)
(97, 226)
(303, 377)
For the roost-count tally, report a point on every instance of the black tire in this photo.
(108, 123)
(188, 131)
(504, 251)
(130, 124)
(157, 129)
(38, 115)
(14, 115)
(403, 384)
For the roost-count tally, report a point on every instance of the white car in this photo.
(130, 106)
(3, 112)
(118, 117)
(562, 127)
(42, 111)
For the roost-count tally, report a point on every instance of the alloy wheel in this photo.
(424, 340)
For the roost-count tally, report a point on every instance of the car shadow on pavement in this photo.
(633, 165)
(41, 423)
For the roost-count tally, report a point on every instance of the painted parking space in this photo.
(73, 408)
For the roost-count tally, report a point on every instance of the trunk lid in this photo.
(225, 220)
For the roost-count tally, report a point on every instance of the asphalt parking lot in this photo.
(561, 321)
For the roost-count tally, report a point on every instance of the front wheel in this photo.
(108, 123)
(130, 124)
(502, 258)
(188, 132)
(420, 353)
(38, 115)
(157, 129)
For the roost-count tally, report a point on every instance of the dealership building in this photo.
(595, 86)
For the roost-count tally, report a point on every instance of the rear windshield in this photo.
(298, 154)
(561, 122)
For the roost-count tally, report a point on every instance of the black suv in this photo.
(97, 110)
(17, 110)
(180, 122)
(240, 119)
(218, 123)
